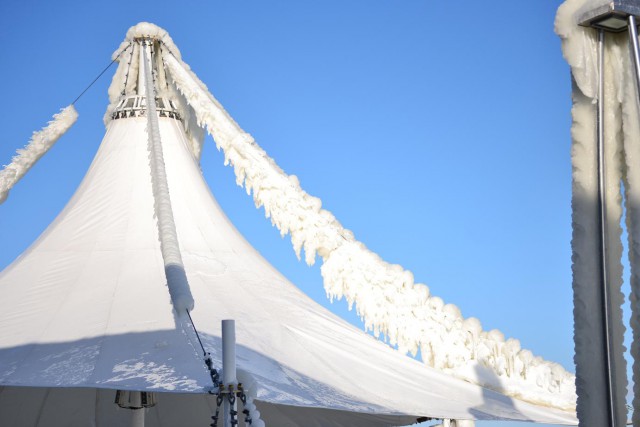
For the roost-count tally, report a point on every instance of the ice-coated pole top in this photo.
(610, 15)
(148, 31)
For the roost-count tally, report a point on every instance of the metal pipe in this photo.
(635, 51)
(603, 234)
(137, 417)
(137, 411)
(142, 83)
(229, 366)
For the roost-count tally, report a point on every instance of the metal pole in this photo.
(635, 51)
(137, 415)
(229, 366)
(603, 233)
(142, 79)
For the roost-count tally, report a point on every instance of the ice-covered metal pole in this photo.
(600, 98)
(229, 368)
(142, 70)
(602, 224)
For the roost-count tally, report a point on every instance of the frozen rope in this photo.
(38, 145)
(384, 295)
(169, 246)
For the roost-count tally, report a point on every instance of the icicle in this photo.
(384, 295)
(174, 267)
(39, 144)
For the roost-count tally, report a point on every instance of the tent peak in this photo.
(147, 30)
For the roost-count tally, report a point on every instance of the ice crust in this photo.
(580, 49)
(384, 295)
(40, 142)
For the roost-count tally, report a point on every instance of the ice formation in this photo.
(125, 82)
(173, 265)
(39, 144)
(621, 156)
(250, 388)
(384, 295)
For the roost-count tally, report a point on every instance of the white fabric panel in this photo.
(87, 306)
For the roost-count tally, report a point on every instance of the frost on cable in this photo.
(38, 145)
(384, 295)
(580, 49)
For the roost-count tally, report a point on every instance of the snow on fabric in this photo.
(621, 134)
(101, 262)
(38, 145)
(173, 265)
(384, 295)
(85, 306)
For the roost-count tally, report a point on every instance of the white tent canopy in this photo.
(86, 311)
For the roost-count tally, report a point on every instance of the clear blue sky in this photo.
(437, 131)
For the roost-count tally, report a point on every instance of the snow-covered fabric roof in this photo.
(87, 307)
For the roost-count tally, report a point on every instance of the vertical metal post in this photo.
(635, 51)
(137, 415)
(142, 78)
(602, 208)
(229, 367)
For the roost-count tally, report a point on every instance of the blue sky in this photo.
(439, 132)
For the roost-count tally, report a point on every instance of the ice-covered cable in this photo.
(40, 142)
(384, 295)
(173, 265)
